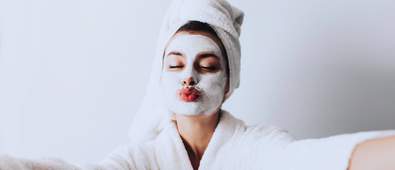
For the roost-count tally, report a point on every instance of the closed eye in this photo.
(209, 67)
(177, 66)
(208, 63)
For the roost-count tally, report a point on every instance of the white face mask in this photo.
(194, 75)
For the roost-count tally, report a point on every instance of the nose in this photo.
(188, 82)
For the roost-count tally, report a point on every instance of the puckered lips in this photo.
(189, 94)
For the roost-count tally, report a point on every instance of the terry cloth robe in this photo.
(233, 146)
(237, 146)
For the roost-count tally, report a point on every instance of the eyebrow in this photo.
(200, 55)
(174, 53)
(207, 54)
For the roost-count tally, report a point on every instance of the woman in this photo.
(181, 125)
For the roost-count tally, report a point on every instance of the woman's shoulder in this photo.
(254, 146)
(256, 132)
(265, 132)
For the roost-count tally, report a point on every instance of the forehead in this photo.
(192, 42)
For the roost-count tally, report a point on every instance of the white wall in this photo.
(72, 72)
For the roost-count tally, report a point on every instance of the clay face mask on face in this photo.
(193, 77)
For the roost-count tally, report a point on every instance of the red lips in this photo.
(189, 94)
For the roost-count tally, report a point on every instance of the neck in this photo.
(196, 132)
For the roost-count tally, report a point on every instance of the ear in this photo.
(226, 90)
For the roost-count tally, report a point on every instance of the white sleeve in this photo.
(122, 158)
(331, 153)
(11, 163)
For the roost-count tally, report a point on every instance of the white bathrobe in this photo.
(233, 146)
(237, 146)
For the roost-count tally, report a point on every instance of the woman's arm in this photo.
(122, 158)
(374, 154)
(343, 152)
(12, 163)
(7, 162)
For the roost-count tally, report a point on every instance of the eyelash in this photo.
(208, 68)
(177, 66)
(203, 68)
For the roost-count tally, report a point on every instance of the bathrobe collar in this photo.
(175, 150)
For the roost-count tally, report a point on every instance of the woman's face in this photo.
(194, 74)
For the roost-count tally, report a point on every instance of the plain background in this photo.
(72, 73)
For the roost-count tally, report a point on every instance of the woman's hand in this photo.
(375, 154)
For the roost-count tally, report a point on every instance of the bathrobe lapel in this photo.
(174, 155)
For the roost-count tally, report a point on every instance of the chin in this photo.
(186, 108)
(202, 106)
(191, 108)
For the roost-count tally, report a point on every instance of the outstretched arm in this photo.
(7, 163)
(375, 154)
(123, 158)
(354, 151)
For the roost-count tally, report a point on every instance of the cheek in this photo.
(214, 83)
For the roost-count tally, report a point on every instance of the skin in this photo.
(196, 132)
(197, 122)
(375, 154)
